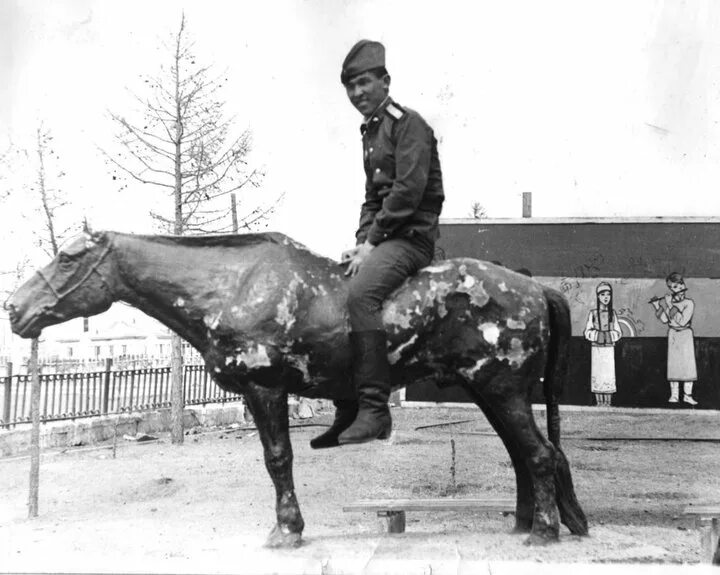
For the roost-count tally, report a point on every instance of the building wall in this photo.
(634, 256)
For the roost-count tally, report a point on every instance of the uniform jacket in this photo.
(403, 187)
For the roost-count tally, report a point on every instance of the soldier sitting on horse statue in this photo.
(396, 236)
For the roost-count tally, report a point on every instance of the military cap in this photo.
(363, 56)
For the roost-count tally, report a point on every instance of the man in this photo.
(396, 236)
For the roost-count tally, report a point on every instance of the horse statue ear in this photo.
(95, 237)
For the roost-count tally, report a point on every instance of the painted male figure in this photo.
(395, 238)
(676, 310)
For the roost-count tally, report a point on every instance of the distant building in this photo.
(120, 331)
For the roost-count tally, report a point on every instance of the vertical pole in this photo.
(8, 391)
(35, 433)
(233, 211)
(527, 205)
(177, 396)
(106, 392)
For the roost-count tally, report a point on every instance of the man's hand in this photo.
(354, 258)
(347, 256)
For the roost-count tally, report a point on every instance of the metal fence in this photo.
(85, 364)
(86, 394)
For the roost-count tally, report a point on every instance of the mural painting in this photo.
(645, 314)
(602, 331)
(676, 310)
(631, 319)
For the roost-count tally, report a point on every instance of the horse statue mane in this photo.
(219, 240)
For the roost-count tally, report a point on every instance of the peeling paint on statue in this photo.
(439, 268)
(212, 321)
(516, 355)
(469, 372)
(515, 324)
(395, 355)
(288, 305)
(478, 296)
(491, 332)
(392, 316)
(437, 293)
(251, 358)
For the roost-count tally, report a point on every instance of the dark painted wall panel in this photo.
(567, 249)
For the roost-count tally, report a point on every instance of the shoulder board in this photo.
(394, 111)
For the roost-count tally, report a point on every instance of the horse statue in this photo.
(268, 316)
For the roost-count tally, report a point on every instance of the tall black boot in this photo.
(371, 375)
(345, 412)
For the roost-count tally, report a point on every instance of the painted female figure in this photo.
(676, 310)
(603, 331)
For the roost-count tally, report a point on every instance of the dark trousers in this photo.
(382, 272)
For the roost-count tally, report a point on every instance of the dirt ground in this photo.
(155, 501)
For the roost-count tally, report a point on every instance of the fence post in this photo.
(106, 394)
(8, 389)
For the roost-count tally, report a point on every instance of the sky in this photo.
(600, 109)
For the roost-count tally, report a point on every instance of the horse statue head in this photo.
(74, 284)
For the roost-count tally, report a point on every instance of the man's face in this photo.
(366, 91)
(676, 287)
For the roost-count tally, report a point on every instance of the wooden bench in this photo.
(707, 519)
(394, 509)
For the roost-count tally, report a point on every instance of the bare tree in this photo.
(184, 146)
(478, 211)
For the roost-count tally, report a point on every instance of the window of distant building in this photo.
(86, 324)
(97, 351)
(111, 349)
(70, 351)
(124, 350)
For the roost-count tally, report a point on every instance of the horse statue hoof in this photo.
(523, 529)
(283, 537)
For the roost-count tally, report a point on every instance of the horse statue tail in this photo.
(556, 369)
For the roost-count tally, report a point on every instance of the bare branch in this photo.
(137, 177)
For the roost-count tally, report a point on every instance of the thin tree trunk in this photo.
(177, 433)
(233, 211)
(33, 498)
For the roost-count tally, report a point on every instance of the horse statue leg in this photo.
(531, 453)
(525, 500)
(269, 408)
